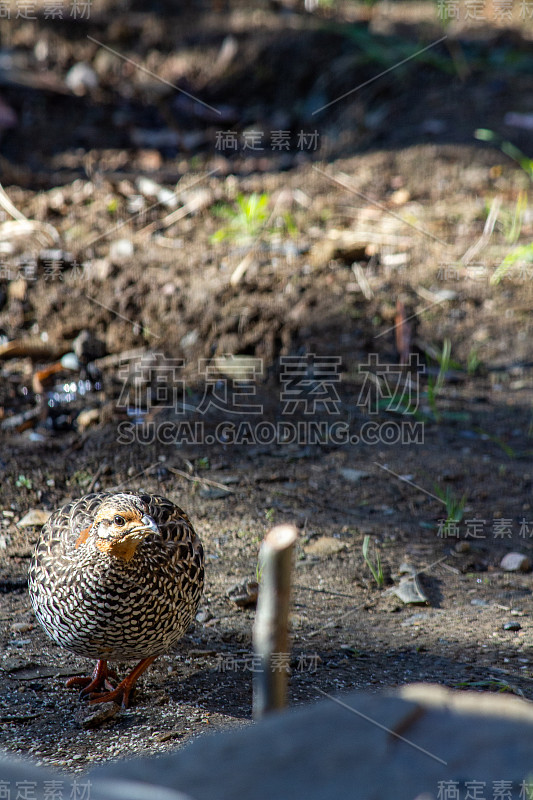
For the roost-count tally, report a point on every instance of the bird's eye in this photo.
(118, 520)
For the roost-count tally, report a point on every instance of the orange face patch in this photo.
(124, 549)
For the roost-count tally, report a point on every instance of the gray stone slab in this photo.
(418, 746)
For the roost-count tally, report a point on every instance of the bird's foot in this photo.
(121, 695)
(98, 681)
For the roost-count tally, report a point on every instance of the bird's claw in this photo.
(99, 680)
(88, 693)
(120, 696)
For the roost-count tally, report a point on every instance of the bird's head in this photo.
(120, 524)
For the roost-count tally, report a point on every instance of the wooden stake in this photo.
(270, 634)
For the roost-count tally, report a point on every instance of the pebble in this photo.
(135, 203)
(203, 615)
(147, 186)
(81, 77)
(167, 197)
(244, 594)
(70, 361)
(121, 250)
(90, 717)
(190, 338)
(36, 517)
(353, 475)
(512, 626)
(88, 417)
(165, 736)
(324, 546)
(98, 269)
(21, 627)
(515, 562)
(410, 591)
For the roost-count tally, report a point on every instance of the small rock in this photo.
(167, 197)
(135, 204)
(88, 417)
(324, 546)
(89, 717)
(149, 160)
(35, 517)
(395, 260)
(190, 339)
(409, 590)
(515, 562)
(197, 653)
(344, 245)
(70, 361)
(462, 547)
(98, 269)
(120, 250)
(203, 615)
(80, 78)
(165, 736)
(445, 294)
(514, 625)
(226, 480)
(21, 627)
(244, 594)
(353, 475)
(400, 196)
(147, 186)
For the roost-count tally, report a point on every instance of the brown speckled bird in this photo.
(116, 576)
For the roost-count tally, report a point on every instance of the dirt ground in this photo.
(183, 312)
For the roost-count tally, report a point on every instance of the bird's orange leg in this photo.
(122, 693)
(98, 681)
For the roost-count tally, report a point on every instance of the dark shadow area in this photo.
(198, 83)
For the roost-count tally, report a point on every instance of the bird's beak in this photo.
(148, 526)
